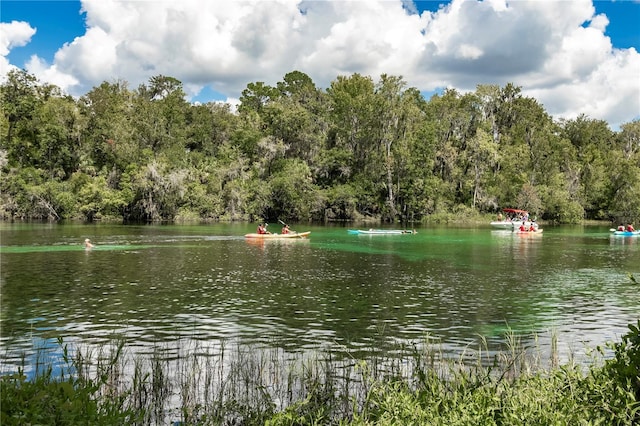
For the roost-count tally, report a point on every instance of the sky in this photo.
(573, 56)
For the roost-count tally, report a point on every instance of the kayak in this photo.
(523, 233)
(381, 231)
(278, 236)
(627, 233)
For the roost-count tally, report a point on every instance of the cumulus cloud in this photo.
(13, 34)
(557, 51)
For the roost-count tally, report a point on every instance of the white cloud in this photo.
(50, 73)
(557, 51)
(13, 34)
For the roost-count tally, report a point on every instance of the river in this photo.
(171, 284)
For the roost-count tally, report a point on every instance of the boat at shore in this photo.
(291, 235)
(382, 231)
(512, 219)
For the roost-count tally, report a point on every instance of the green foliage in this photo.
(341, 203)
(159, 191)
(95, 198)
(292, 191)
(624, 370)
(29, 194)
(528, 199)
(562, 396)
(44, 401)
(314, 409)
(361, 148)
(415, 386)
(51, 400)
(565, 211)
(256, 96)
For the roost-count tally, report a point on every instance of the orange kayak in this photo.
(278, 236)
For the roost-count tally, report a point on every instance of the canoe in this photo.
(278, 236)
(524, 233)
(627, 233)
(381, 231)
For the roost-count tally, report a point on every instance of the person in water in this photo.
(523, 227)
(87, 244)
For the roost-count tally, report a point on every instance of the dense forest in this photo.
(358, 149)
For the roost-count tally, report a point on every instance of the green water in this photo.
(153, 285)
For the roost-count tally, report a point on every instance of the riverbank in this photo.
(415, 386)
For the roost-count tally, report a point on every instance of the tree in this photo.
(293, 195)
(160, 116)
(391, 117)
(256, 96)
(624, 171)
(483, 153)
(158, 189)
(108, 139)
(209, 127)
(352, 106)
(58, 128)
(630, 139)
(20, 98)
(592, 140)
(359, 148)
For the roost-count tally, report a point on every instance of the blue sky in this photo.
(57, 22)
(575, 57)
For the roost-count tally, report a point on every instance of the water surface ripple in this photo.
(150, 285)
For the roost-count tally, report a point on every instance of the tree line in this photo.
(359, 149)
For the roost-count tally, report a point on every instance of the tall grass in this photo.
(234, 384)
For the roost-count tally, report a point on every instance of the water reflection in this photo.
(623, 240)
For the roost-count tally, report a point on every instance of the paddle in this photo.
(284, 224)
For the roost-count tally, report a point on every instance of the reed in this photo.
(415, 383)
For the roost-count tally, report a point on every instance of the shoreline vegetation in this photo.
(240, 385)
(470, 219)
(360, 149)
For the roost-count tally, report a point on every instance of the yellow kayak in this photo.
(278, 236)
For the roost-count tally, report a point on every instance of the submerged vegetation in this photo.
(253, 386)
(357, 149)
